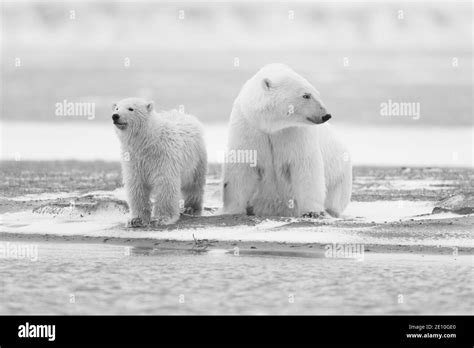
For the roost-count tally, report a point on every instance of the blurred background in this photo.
(197, 55)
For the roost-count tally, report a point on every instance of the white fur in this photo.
(302, 168)
(164, 159)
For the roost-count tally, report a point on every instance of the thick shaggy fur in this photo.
(164, 160)
(302, 168)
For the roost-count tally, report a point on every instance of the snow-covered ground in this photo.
(102, 215)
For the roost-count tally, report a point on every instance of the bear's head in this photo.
(276, 98)
(131, 113)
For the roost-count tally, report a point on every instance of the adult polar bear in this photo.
(302, 168)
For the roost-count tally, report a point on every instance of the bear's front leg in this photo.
(166, 194)
(309, 186)
(139, 203)
(312, 201)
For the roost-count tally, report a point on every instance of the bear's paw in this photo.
(135, 223)
(315, 215)
(156, 222)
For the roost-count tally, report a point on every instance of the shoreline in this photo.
(448, 227)
(258, 248)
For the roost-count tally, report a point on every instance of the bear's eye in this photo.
(307, 95)
(130, 109)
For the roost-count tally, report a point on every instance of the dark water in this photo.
(103, 279)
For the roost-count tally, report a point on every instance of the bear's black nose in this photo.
(115, 117)
(326, 117)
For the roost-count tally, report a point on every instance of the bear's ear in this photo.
(267, 84)
(149, 106)
(114, 105)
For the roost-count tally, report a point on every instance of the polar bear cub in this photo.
(164, 160)
(302, 168)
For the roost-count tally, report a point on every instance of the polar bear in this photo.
(302, 169)
(163, 160)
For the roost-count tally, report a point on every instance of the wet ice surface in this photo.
(115, 280)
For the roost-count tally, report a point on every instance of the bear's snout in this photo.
(326, 117)
(319, 119)
(115, 117)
